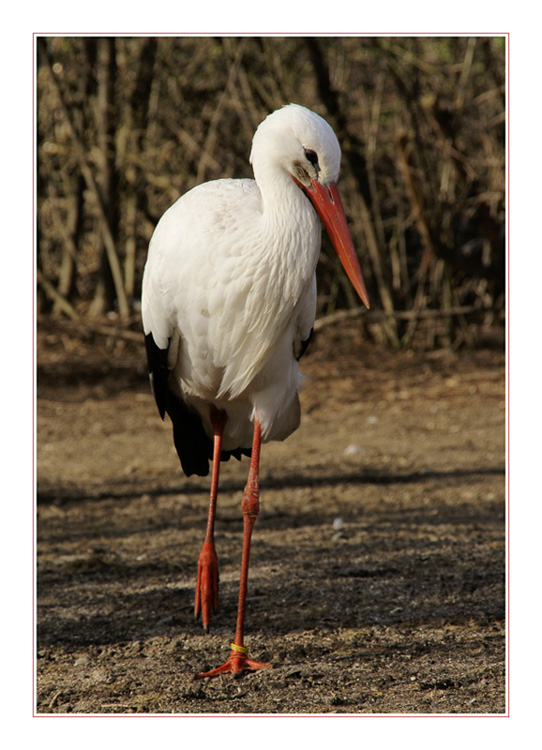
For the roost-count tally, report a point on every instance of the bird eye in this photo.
(312, 156)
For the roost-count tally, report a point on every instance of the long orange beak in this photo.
(327, 202)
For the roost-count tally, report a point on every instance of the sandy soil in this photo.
(378, 560)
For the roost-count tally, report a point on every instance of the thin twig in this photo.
(89, 327)
(372, 316)
(54, 295)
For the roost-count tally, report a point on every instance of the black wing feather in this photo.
(305, 345)
(158, 372)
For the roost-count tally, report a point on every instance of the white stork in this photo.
(228, 305)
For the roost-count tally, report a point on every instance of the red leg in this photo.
(238, 661)
(207, 581)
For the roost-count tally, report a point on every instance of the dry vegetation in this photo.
(126, 125)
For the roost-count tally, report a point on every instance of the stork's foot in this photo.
(237, 663)
(207, 584)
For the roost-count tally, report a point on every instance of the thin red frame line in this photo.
(34, 439)
(507, 321)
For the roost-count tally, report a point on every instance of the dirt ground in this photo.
(377, 581)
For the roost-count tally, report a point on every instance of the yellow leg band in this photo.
(240, 649)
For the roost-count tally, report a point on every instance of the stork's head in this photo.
(300, 143)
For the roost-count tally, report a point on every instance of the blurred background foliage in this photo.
(125, 125)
